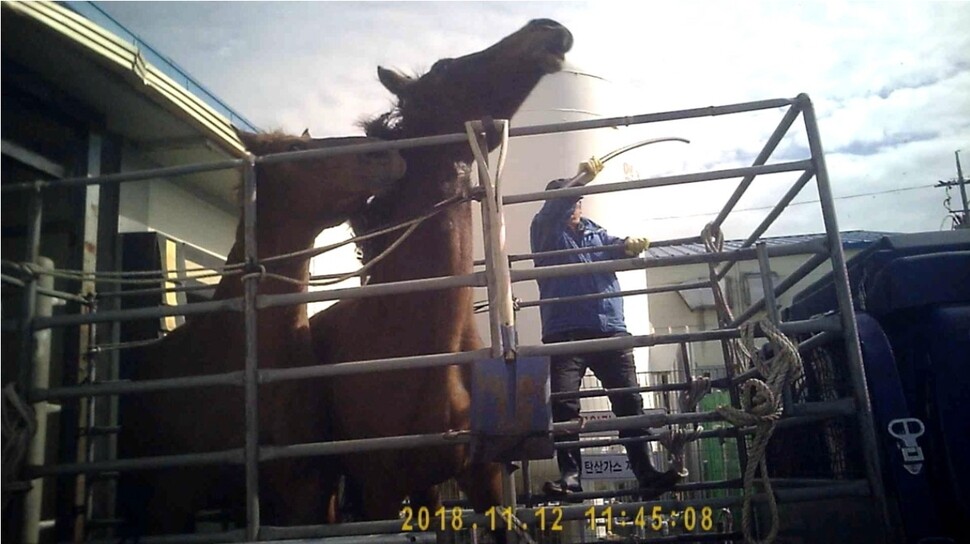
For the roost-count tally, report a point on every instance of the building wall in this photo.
(163, 206)
(670, 313)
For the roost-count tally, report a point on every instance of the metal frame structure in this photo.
(251, 376)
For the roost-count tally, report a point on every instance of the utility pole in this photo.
(961, 219)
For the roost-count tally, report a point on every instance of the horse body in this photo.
(296, 201)
(490, 83)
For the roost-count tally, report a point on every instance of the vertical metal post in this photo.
(250, 286)
(35, 216)
(40, 377)
(86, 367)
(771, 304)
(963, 192)
(501, 313)
(494, 328)
(850, 333)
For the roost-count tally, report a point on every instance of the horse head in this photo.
(319, 192)
(490, 83)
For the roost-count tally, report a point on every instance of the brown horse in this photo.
(296, 200)
(494, 83)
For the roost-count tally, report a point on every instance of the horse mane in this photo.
(375, 214)
(386, 126)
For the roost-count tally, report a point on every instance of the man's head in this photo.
(576, 217)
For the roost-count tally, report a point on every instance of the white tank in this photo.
(577, 95)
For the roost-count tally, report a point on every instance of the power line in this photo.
(801, 203)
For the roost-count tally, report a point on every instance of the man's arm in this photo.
(548, 224)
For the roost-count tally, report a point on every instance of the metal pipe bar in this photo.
(101, 348)
(142, 386)
(664, 181)
(783, 286)
(817, 340)
(579, 512)
(832, 408)
(630, 293)
(633, 492)
(582, 346)
(476, 279)
(582, 250)
(223, 457)
(772, 216)
(673, 115)
(719, 383)
(840, 408)
(141, 175)
(780, 131)
(337, 447)
(373, 365)
(50, 292)
(251, 365)
(235, 535)
(840, 278)
(826, 324)
(17, 282)
(157, 291)
(800, 413)
(638, 263)
(195, 308)
(405, 144)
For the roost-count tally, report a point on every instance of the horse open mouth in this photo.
(552, 61)
(554, 54)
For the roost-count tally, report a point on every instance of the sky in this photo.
(890, 81)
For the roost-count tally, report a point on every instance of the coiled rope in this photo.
(761, 400)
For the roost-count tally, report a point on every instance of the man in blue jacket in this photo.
(560, 225)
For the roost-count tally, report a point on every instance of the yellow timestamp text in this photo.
(496, 519)
(690, 519)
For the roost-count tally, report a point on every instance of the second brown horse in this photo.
(491, 83)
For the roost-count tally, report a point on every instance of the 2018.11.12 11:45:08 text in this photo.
(551, 518)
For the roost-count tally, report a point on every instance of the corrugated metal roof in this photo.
(853, 239)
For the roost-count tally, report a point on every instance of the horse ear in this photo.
(393, 81)
(306, 133)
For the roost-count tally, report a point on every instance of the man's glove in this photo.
(635, 246)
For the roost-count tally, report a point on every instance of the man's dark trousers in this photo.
(614, 369)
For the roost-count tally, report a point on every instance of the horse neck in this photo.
(441, 245)
(272, 239)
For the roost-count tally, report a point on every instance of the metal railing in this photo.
(251, 376)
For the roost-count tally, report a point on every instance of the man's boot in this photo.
(652, 482)
(569, 462)
(567, 484)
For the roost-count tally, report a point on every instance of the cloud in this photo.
(888, 80)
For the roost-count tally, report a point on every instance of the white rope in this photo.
(761, 400)
(761, 406)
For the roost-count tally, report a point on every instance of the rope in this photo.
(761, 406)
(761, 400)
(713, 239)
(18, 426)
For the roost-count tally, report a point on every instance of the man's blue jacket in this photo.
(550, 232)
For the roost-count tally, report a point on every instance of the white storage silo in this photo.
(573, 95)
